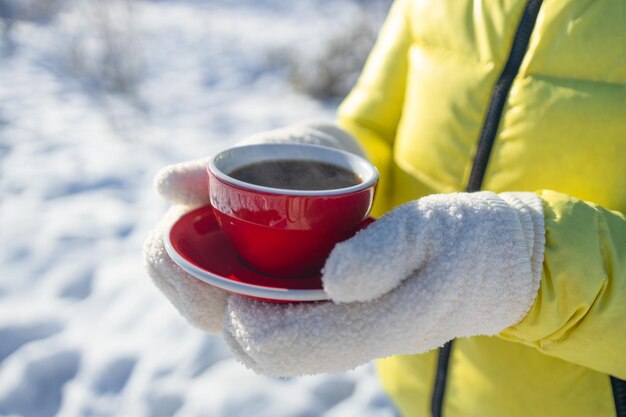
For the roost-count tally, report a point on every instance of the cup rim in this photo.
(370, 179)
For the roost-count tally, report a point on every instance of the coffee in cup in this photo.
(296, 174)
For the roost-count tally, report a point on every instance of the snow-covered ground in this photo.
(83, 332)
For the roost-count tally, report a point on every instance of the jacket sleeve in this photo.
(372, 110)
(579, 314)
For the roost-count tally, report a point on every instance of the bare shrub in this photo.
(332, 71)
(104, 52)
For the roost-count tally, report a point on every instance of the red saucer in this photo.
(196, 243)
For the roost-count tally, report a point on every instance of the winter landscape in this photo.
(95, 97)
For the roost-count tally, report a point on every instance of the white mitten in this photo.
(186, 184)
(201, 304)
(441, 267)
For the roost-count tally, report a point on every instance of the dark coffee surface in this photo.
(296, 175)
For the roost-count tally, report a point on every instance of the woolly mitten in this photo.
(441, 267)
(201, 304)
(186, 184)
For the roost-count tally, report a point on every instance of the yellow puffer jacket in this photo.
(547, 83)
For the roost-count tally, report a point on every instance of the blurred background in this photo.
(95, 97)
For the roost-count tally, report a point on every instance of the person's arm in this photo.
(186, 186)
(456, 265)
(579, 314)
(372, 110)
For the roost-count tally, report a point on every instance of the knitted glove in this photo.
(186, 184)
(441, 267)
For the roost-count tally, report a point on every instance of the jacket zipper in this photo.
(483, 152)
(619, 396)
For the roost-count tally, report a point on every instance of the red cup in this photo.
(281, 232)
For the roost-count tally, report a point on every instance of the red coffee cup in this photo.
(285, 232)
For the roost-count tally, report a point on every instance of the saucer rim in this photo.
(251, 290)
